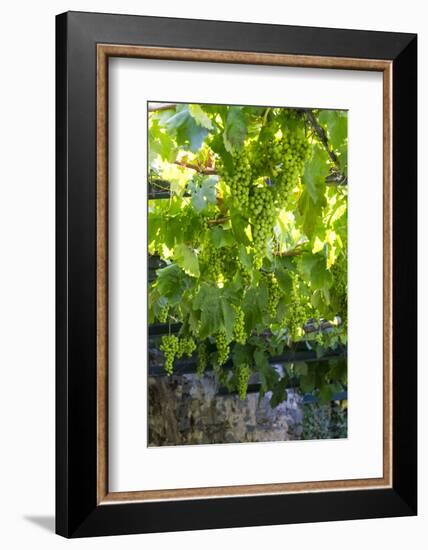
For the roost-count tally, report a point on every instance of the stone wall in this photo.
(187, 409)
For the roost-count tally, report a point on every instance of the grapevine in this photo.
(253, 236)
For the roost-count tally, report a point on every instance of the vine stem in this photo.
(160, 106)
(338, 178)
(219, 221)
(265, 116)
(201, 170)
(296, 251)
(287, 253)
(319, 130)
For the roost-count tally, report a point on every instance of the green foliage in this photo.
(186, 258)
(324, 421)
(203, 192)
(254, 241)
(235, 130)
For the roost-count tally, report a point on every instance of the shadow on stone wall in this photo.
(186, 410)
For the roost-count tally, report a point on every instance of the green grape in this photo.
(274, 295)
(263, 217)
(170, 347)
(245, 275)
(163, 314)
(278, 159)
(202, 361)
(258, 261)
(296, 314)
(242, 375)
(240, 181)
(204, 223)
(222, 348)
(282, 159)
(213, 258)
(239, 333)
(186, 346)
(319, 338)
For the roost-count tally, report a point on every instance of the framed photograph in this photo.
(236, 274)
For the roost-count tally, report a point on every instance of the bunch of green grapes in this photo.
(282, 159)
(296, 314)
(263, 216)
(245, 275)
(204, 223)
(240, 181)
(222, 348)
(163, 314)
(239, 333)
(242, 375)
(274, 295)
(243, 272)
(291, 153)
(213, 259)
(202, 361)
(186, 346)
(170, 347)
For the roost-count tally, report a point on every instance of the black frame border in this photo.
(77, 512)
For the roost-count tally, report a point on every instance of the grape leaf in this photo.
(171, 282)
(217, 145)
(221, 237)
(242, 355)
(316, 170)
(336, 123)
(253, 305)
(200, 116)
(279, 393)
(268, 375)
(239, 226)
(310, 213)
(307, 262)
(161, 143)
(236, 129)
(228, 317)
(188, 133)
(187, 259)
(320, 276)
(191, 135)
(177, 119)
(245, 258)
(204, 193)
(171, 230)
(216, 311)
(284, 280)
